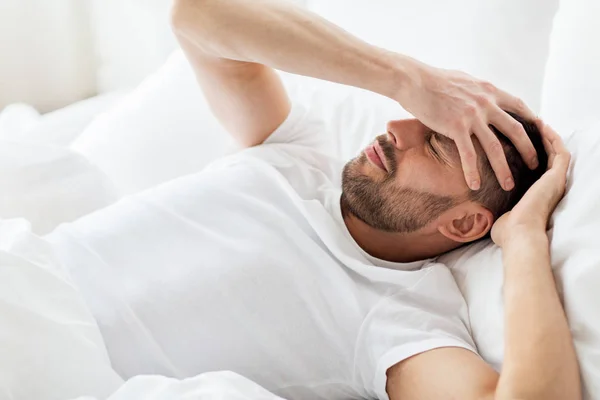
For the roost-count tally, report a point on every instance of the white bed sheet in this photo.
(222, 385)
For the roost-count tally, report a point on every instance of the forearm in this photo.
(282, 36)
(540, 360)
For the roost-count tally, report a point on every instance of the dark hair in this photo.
(491, 195)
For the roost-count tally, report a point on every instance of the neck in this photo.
(397, 247)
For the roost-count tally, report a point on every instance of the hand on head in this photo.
(458, 105)
(532, 212)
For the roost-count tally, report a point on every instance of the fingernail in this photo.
(535, 162)
(474, 184)
(509, 184)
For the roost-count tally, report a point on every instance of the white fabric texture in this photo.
(41, 182)
(504, 41)
(223, 385)
(23, 123)
(51, 346)
(572, 81)
(162, 130)
(575, 255)
(248, 266)
(62, 127)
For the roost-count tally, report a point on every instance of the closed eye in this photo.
(432, 148)
(439, 149)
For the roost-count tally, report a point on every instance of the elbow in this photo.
(177, 12)
(542, 394)
(574, 397)
(183, 12)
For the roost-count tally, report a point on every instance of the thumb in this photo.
(499, 228)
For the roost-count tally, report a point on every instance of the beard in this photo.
(385, 205)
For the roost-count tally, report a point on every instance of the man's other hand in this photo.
(530, 216)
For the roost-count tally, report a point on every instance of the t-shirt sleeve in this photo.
(302, 127)
(431, 314)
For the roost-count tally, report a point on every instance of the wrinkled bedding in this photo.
(52, 348)
(50, 345)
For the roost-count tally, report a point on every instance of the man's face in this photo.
(405, 179)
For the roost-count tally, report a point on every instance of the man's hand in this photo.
(458, 105)
(531, 214)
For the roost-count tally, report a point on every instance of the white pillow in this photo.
(504, 41)
(572, 81)
(161, 130)
(48, 185)
(61, 127)
(575, 256)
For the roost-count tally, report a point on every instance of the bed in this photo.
(60, 166)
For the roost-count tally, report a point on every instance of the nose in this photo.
(406, 133)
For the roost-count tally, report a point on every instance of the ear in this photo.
(467, 223)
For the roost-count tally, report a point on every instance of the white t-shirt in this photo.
(248, 266)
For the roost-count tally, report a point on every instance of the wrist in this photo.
(405, 76)
(524, 237)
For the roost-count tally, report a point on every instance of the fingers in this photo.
(468, 159)
(555, 148)
(514, 104)
(547, 131)
(558, 165)
(515, 132)
(562, 157)
(557, 143)
(495, 154)
(549, 151)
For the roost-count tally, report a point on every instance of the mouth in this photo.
(376, 156)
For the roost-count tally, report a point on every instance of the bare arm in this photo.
(540, 361)
(233, 44)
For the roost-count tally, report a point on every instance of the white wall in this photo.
(45, 54)
(132, 38)
(56, 52)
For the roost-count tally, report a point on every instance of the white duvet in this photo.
(52, 349)
(222, 385)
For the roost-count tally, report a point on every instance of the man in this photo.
(313, 281)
